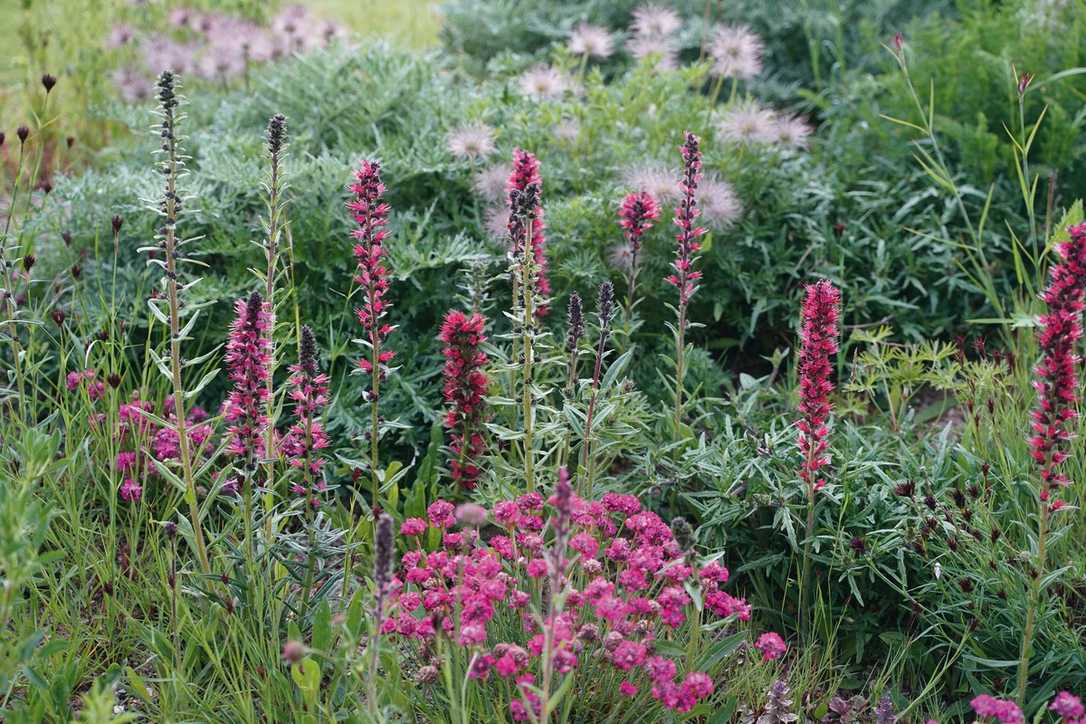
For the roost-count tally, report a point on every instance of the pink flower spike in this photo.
(464, 389)
(1057, 373)
(248, 359)
(818, 338)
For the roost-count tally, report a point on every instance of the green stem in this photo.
(680, 364)
(1032, 607)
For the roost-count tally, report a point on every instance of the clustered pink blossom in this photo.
(87, 379)
(624, 579)
(638, 211)
(685, 277)
(136, 431)
(166, 444)
(1069, 708)
(1001, 710)
(464, 390)
(818, 343)
(306, 437)
(248, 357)
(771, 645)
(371, 214)
(1056, 375)
(524, 178)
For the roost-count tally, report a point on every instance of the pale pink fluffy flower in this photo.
(662, 50)
(497, 223)
(720, 207)
(655, 21)
(567, 130)
(491, 182)
(544, 83)
(749, 123)
(657, 180)
(621, 257)
(793, 131)
(475, 140)
(737, 52)
(591, 40)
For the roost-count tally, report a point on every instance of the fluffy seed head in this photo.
(737, 52)
(472, 141)
(591, 40)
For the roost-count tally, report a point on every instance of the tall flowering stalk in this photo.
(684, 277)
(605, 309)
(465, 387)
(171, 164)
(304, 441)
(574, 334)
(525, 174)
(635, 216)
(529, 283)
(276, 141)
(818, 343)
(1057, 391)
(306, 438)
(371, 214)
(248, 357)
(383, 550)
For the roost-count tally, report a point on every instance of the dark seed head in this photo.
(117, 222)
(48, 81)
(574, 322)
(277, 133)
(307, 356)
(23, 133)
(28, 262)
(606, 304)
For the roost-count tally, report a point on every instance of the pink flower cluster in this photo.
(135, 432)
(166, 444)
(371, 214)
(636, 215)
(306, 437)
(625, 583)
(771, 645)
(248, 357)
(685, 277)
(1069, 708)
(818, 343)
(464, 390)
(526, 173)
(1056, 375)
(88, 378)
(1001, 710)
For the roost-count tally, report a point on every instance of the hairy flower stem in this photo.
(375, 423)
(606, 308)
(680, 365)
(1032, 606)
(685, 278)
(170, 209)
(528, 412)
(805, 614)
(276, 139)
